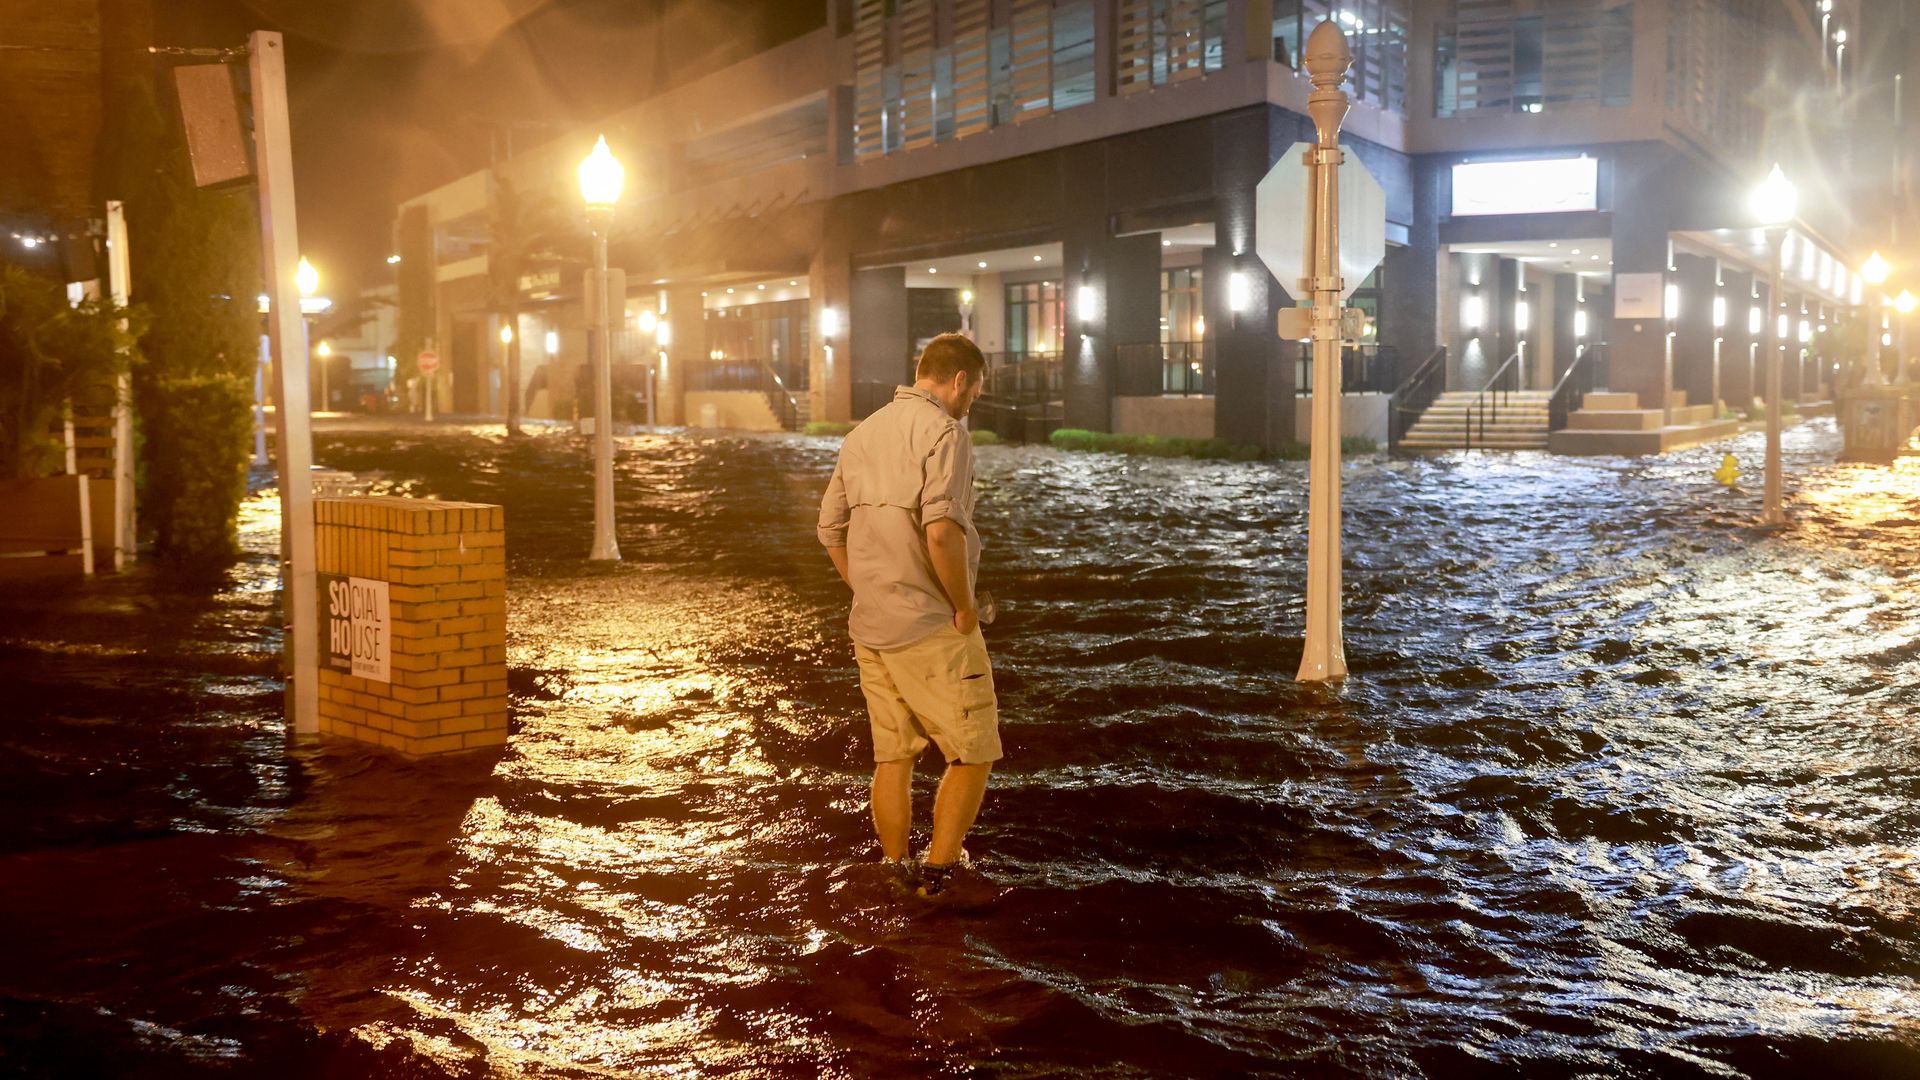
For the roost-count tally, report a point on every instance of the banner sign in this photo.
(356, 622)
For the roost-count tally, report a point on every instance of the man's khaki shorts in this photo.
(940, 688)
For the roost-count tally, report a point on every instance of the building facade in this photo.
(1072, 182)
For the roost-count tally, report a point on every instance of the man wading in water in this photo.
(897, 520)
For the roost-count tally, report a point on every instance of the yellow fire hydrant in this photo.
(1729, 471)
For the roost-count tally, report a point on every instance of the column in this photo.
(1693, 329)
(1638, 347)
(1737, 340)
(830, 286)
(686, 321)
(1129, 311)
(879, 352)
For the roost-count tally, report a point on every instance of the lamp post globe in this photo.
(601, 177)
(1774, 203)
(1875, 270)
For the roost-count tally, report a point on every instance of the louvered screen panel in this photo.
(1570, 58)
(869, 63)
(971, 20)
(1185, 51)
(1484, 56)
(916, 73)
(1031, 58)
(1133, 46)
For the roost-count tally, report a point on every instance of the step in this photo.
(1616, 419)
(1608, 400)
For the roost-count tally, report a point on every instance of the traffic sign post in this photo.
(428, 362)
(1306, 252)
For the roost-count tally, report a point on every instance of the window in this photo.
(1486, 58)
(1376, 33)
(1036, 317)
(1073, 55)
(1181, 316)
(1165, 41)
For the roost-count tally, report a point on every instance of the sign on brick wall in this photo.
(356, 627)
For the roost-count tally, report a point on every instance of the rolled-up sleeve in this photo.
(834, 514)
(945, 477)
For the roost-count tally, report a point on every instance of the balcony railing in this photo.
(1024, 378)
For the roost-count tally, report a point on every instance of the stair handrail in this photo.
(778, 395)
(1570, 393)
(1490, 395)
(1415, 394)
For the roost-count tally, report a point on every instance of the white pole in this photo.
(1325, 656)
(1771, 512)
(279, 235)
(606, 546)
(125, 539)
(261, 368)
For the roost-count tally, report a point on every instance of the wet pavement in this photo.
(1620, 786)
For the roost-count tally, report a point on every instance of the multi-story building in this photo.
(1072, 182)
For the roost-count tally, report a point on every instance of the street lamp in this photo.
(307, 280)
(1774, 203)
(601, 175)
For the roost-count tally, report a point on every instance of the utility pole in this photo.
(280, 239)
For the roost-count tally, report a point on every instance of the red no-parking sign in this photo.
(428, 361)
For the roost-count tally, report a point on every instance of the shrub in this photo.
(827, 427)
(986, 438)
(195, 257)
(50, 353)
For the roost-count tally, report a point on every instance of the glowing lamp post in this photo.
(601, 176)
(307, 280)
(1774, 204)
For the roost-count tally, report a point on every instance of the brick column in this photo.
(444, 633)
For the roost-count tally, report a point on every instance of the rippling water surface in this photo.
(1620, 786)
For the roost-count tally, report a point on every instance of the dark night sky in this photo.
(392, 97)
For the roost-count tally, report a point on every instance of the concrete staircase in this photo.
(1521, 423)
(1614, 423)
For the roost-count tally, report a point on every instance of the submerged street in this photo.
(1619, 786)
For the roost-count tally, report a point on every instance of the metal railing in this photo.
(1415, 394)
(756, 375)
(1024, 378)
(1498, 391)
(1364, 369)
(1164, 369)
(1582, 377)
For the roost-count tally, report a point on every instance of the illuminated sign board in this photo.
(1552, 186)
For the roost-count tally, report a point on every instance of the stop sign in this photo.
(1281, 228)
(428, 361)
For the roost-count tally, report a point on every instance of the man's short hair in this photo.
(948, 355)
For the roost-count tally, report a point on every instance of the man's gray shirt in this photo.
(905, 467)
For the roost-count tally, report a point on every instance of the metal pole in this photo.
(1772, 514)
(119, 284)
(261, 366)
(1325, 655)
(273, 150)
(605, 547)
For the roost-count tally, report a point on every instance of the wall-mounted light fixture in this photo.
(1719, 312)
(1085, 300)
(506, 333)
(1784, 327)
(1239, 292)
(663, 333)
(829, 322)
(1473, 312)
(1755, 320)
(1580, 322)
(648, 320)
(1522, 316)
(1806, 331)
(1673, 301)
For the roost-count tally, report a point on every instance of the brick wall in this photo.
(445, 565)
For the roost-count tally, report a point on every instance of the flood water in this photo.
(1620, 786)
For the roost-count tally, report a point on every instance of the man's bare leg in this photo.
(954, 809)
(893, 805)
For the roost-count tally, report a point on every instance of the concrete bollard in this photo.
(412, 603)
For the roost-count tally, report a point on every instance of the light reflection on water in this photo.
(1620, 783)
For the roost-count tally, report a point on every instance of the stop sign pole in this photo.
(428, 362)
(1327, 62)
